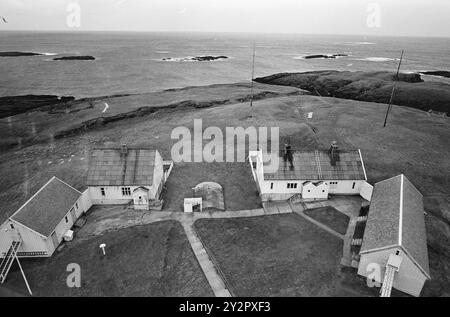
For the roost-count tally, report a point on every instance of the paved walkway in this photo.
(112, 218)
(214, 279)
(348, 205)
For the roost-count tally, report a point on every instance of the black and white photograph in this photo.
(226, 155)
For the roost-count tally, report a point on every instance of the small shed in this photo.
(211, 194)
(41, 223)
(396, 228)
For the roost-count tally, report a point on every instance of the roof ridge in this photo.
(67, 184)
(31, 198)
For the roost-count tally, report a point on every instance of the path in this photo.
(118, 217)
(214, 279)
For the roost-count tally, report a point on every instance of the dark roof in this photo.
(316, 165)
(396, 218)
(45, 209)
(110, 167)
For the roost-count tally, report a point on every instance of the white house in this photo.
(395, 229)
(123, 175)
(310, 175)
(40, 224)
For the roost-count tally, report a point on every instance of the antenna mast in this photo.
(393, 90)
(253, 76)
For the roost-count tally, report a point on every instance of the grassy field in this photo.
(281, 255)
(413, 143)
(330, 217)
(150, 260)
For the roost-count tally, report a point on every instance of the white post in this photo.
(24, 277)
(102, 246)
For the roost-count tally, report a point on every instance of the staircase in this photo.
(8, 260)
(392, 266)
(387, 282)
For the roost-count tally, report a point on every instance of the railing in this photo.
(8, 260)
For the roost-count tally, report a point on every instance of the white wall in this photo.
(345, 187)
(113, 195)
(31, 241)
(366, 191)
(85, 201)
(409, 279)
(311, 191)
(158, 177)
(5, 240)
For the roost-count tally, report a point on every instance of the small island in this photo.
(206, 58)
(324, 56)
(439, 73)
(19, 54)
(75, 58)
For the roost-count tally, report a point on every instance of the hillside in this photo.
(411, 90)
(57, 142)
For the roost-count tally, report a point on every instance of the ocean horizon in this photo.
(139, 62)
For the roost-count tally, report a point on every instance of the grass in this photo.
(282, 255)
(330, 217)
(149, 260)
(236, 179)
(413, 143)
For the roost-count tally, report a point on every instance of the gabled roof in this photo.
(110, 167)
(396, 218)
(316, 165)
(47, 207)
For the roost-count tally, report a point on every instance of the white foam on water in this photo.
(377, 59)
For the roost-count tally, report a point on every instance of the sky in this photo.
(359, 17)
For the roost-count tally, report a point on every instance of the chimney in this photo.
(123, 149)
(334, 153)
(288, 155)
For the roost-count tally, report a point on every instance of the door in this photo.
(55, 240)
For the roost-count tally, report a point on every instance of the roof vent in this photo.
(123, 149)
(334, 153)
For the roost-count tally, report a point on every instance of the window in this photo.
(102, 191)
(254, 165)
(76, 205)
(353, 186)
(271, 185)
(291, 185)
(126, 191)
(67, 219)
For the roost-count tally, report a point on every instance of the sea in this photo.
(128, 63)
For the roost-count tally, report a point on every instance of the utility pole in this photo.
(393, 90)
(253, 76)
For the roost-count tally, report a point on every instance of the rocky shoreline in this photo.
(411, 90)
(75, 58)
(19, 54)
(13, 105)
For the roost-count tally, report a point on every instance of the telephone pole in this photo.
(393, 90)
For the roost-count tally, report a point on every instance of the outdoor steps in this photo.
(361, 218)
(8, 260)
(388, 281)
(356, 241)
